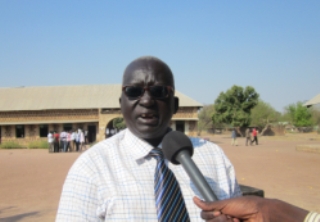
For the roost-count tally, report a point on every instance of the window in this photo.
(19, 131)
(180, 126)
(43, 130)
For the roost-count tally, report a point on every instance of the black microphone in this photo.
(177, 148)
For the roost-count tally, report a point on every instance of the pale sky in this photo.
(210, 46)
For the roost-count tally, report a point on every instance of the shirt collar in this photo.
(137, 147)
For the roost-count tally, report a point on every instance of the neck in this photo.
(156, 141)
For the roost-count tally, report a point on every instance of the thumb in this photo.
(216, 205)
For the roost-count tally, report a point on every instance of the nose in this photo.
(146, 99)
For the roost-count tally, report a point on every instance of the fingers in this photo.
(207, 205)
(210, 214)
(209, 217)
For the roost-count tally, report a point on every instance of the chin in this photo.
(151, 134)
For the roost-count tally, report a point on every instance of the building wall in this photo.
(190, 117)
(186, 113)
(31, 120)
(78, 118)
(105, 116)
(48, 115)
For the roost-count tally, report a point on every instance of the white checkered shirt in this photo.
(114, 180)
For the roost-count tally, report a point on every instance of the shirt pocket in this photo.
(127, 208)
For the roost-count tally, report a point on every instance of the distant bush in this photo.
(38, 145)
(11, 145)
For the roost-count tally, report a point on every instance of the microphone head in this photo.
(174, 142)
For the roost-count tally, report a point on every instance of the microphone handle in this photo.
(195, 175)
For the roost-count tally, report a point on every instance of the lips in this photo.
(149, 118)
(147, 115)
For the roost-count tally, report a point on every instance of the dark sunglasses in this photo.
(157, 92)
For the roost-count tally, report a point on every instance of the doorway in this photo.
(92, 133)
(180, 126)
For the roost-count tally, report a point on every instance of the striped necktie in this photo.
(169, 201)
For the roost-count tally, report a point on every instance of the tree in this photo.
(315, 113)
(263, 115)
(119, 123)
(234, 106)
(299, 115)
(205, 117)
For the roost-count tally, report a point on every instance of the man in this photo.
(255, 136)
(79, 140)
(63, 139)
(56, 142)
(114, 180)
(248, 136)
(69, 139)
(86, 137)
(234, 137)
(254, 209)
(74, 140)
(50, 141)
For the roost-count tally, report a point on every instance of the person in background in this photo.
(234, 137)
(56, 142)
(86, 137)
(82, 140)
(253, 209)
(51, 142)
(63, 139)
(74, 140)
(78, 137)
(255, 136)
(112, 132)
(107, 132)
(69, 140)
(248, 136)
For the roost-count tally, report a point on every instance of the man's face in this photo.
(146, 117)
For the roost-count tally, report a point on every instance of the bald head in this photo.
(148, 64)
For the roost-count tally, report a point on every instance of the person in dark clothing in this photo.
(56, 142)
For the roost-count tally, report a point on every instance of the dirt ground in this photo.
(31, 180)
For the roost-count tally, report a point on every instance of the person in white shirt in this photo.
(74, 140)
(69, 140)
(114, 180)
(50, 141)
(63, 139)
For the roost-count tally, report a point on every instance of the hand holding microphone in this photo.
(178, 149)
(253, 209)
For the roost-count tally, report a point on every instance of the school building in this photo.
(29, 113)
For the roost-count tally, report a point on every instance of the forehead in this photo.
(148, 72)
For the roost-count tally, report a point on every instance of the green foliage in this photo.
(263, 114)
(119, 123)
(31, 145)
(315, 113)
(38, 145)
(11, 145)
(234, 106)
(299, 115)
(205, 117)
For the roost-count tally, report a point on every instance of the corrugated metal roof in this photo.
(315, 100)
(69, 97)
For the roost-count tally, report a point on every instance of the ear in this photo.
(176, 105)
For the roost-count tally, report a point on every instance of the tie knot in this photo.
(157, 153)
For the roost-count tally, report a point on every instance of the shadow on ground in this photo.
(18, 217)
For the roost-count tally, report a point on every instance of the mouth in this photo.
(149, 118)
